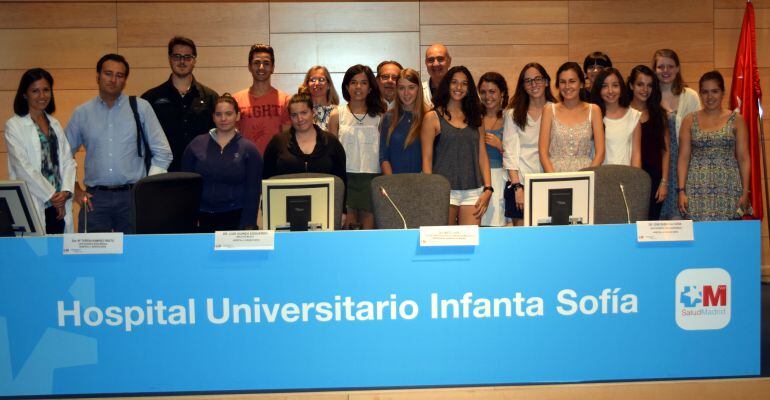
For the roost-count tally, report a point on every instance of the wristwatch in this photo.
(681, 190)
(517, 186)
(490, 188)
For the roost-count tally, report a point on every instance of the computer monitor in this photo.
(298, 204)
(561, 198)
(17, 213)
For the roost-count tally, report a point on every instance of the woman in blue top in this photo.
(493, 91)
(400, 149)
(232, 172)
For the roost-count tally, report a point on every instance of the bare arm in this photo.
(683, 163)
(334, 123)
(598, 128)
(544, 143)
(636, 146)
(430, 128)
(483, 202)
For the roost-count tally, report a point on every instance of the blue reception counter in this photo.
(372, 309)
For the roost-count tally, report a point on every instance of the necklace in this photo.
(493, 124)
(360, 120)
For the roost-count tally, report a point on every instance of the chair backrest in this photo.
(166, 203)
(339, 192)
(608, 199)
(422, 198)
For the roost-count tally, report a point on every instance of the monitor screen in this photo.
(561, 198)
(19, 209)
(298, 204)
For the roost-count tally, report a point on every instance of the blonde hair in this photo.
(331, 95)
(418, 111)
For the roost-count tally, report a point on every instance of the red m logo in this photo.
(714, 299)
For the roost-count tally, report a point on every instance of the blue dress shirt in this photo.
(109, 137)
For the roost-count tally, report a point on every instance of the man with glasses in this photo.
(387, 79)
(183, 105)
(264, 109)
(437, 61)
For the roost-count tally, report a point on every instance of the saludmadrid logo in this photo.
(702, 298)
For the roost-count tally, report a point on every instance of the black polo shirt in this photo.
(182, 118)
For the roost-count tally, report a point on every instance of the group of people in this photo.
(475, 133)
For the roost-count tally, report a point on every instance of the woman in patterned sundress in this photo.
(570, 130)
(714, 165)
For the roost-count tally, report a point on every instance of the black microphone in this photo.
(385, 193)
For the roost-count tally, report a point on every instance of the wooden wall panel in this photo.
(310, 17)
(733, 18)
(54, 48)
(638, 42)
(741, 4)
(63, 78)
(635, 12)
(229, 24)
(726, 44)
(4, 166)
(52, 15)
(493, 12)
(155, 57)
(494, 34)
(338, 51)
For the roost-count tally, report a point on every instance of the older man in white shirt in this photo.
(437, 61)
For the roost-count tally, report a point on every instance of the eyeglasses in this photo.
(534, 81)
(317, 80)
(180, 57)
(387, 77)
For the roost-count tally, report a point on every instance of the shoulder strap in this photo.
(590, 109)
(142, 147)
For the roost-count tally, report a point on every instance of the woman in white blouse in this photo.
(622, 130)
(38, 151)
(521, 131)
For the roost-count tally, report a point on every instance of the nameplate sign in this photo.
(453, 235)
(93, 243)
(244, 240)
(664, 231)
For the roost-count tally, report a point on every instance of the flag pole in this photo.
(764, 156)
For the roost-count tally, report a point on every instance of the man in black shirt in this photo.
(183, 105)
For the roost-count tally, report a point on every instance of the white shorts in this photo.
(465, 197)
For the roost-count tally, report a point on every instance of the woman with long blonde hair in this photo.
(400, 147)
(319, 84)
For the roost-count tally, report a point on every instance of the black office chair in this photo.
(339, 192)
(610, 207)
(423, 199)
(166, 203)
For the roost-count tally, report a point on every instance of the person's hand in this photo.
(743, 202)
(482, 204)
(59, 199)
(661, 194)
(493, 141)
(684, 203)
(81, 197)
(519, 196)
(61, 212)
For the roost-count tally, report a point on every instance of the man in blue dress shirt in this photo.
(105, 126)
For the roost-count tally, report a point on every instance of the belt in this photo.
(113, 188)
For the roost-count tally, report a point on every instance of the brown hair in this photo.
(229, 99)
(418, 111)
(678, 85)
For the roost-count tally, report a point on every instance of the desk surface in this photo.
(372, 309)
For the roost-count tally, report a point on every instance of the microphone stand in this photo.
(385, 194)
